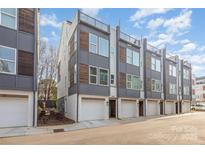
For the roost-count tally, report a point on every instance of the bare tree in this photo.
(47, 71)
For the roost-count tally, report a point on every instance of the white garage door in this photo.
(153, 108)
(185, 107)
(13, 112)
(170, 108)
(129, 109)
(92, 109)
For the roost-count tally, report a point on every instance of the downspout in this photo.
(144, 44)
(164, 78)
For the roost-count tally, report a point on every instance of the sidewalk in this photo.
(22, 131)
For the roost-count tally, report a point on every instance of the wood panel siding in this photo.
(26, 20)
(84, 40)
(122, 55)
(71, 44)
(148, 60)
(84, 77)
(71, 75)
(25, 63)
(122, 80)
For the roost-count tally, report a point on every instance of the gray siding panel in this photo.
(155, 95)
(94, 90)
(25, 83)
(7, 81)
(8, 37)
(129, 93)
(25, 42)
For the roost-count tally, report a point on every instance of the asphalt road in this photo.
(180, 129)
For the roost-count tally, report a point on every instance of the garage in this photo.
(186, 107)
(13, 111)
(153, 108)
(129, 109)
(93, 109)
(170, 107)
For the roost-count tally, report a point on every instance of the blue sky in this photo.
(181, 31)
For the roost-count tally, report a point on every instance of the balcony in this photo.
(153, 49)
(94, 22)
(129, 39)
(186, 63)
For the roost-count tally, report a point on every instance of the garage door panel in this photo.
(185, 107)
(153, 108)
(13, 112)
(92, 109)
(129, 109)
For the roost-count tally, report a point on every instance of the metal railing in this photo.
(130, 39)
(153, 49)
(94, 22)
(186, 63)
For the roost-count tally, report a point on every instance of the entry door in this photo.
(176, 108)
(180, 107)
(161, 108)
(140, 108)
(112, 108)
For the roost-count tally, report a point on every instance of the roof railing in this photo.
(94, 22)
(186, 63)
(129, 39)
(153, 49)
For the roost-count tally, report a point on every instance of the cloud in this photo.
(91, 11)
(185, 41)
(179, 23)
(49, 20)
(44, 39)
(189, 47)
(142, 13)
(155, 23)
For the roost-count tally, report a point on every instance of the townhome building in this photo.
(105, 73)
(18, 66)
(198, 89)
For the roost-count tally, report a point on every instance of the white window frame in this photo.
(93, 43)
(186, 90)
(93, 75)
(131, 82)
(10, 16)
(132, 57)
(112, 79)
(9, 60)
(100, 68)
(172, 88)
(172, 72)
(99, 45)
(155, 90)
(154, 64)
(186, 74)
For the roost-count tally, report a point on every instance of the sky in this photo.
(181, 31)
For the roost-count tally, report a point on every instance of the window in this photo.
(186, 74)
(133, 82)
(156, 64)
(172, 70)
(7, 60)
(172, 88)
(103, 47)
(93, 75)
(8, 17)
(92, 43)
(132, 57)
(156, 85)
(186, 90)
(103, 77)
(112, 79)
(98, 45)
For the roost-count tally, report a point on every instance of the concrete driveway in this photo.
(178, 129)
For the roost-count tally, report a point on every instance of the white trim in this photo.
(10, 60)
(93, 75)
(133, 51)
(93, 43)
(100, 68)
(155, 87)
(15, 27)
(131, 81)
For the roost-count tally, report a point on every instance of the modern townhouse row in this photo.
(18, 66)
(105, 73)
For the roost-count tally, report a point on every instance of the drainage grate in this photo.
(58, 130)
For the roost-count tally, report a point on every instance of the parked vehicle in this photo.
(198, 107)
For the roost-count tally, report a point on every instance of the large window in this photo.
(133, 82)
(172, 88)
(8, 17)
(93, 75)
(92, 43)
(186, 74)
(103, 47)
(156, 64)
(98, 45)
(172, 70)
(186, 90)
(156, 85)
(98, 75)
(7, 60)
(132, 57)
(103, 77)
